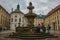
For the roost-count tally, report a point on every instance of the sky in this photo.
(41, 6)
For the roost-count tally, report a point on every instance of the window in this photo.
(1, 19)
(19, 19)
(15, 25)
(15, 20)
(11, 19)
(15, 16)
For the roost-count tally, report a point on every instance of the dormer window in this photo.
(15, 16)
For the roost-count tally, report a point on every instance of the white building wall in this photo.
(15, 24)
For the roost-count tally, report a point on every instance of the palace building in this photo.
(4, 19)
(16, 17)
(53, 18)
(39, 19)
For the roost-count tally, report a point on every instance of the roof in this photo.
(53, 10)
(4, 9)
(42, 16)
(17, 10)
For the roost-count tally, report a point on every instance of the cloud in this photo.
(41, 6)
(44, 1)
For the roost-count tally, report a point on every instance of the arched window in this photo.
(15, 16)
(15, 20)
(19, 19)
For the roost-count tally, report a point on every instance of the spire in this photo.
(18, 7)
(12, 9)
(40, 14)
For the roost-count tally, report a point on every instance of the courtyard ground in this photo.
(5, 33)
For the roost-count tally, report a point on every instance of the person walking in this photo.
(39, 28)
(48, 28)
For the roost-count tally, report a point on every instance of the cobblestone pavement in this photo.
(5, 33)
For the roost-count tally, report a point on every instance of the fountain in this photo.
(30, 16)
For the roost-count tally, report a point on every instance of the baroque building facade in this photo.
(39, 19)
(53, 18)
(16, 17)
(4, 19)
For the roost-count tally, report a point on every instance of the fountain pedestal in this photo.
(30, 16)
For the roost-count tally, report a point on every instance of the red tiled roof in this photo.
(53, 10)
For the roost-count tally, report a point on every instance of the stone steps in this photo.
(33, 36)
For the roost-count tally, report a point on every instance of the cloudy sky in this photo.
(41, 6)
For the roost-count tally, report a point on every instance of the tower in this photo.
(18, 7)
